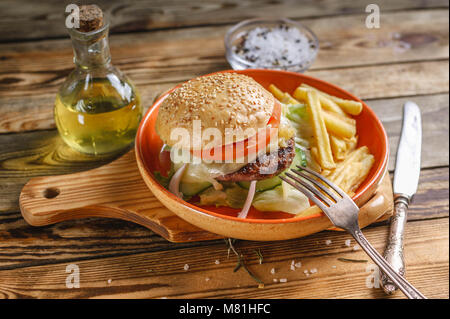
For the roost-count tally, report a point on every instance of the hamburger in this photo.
(229, 141)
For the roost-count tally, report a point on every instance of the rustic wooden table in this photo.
(161, 43)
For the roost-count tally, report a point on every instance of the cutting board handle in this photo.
(115, 190)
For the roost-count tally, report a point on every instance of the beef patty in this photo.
(265, 166)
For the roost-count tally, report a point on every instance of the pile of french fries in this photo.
(334, 144)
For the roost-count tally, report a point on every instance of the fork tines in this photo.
(316, 191)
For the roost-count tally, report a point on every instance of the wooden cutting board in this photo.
(116, 190)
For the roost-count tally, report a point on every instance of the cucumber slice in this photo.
(191, 189)
(263, 185)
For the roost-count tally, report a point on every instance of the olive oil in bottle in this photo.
(97, 109)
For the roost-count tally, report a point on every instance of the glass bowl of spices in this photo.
(280, 44)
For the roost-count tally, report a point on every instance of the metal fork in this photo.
(343, 213)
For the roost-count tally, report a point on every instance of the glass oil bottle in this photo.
(97, 109)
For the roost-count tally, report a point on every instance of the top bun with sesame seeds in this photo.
(226, 101)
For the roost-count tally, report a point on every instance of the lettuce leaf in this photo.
(282, 198)
(296, 112)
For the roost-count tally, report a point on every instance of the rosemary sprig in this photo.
(348, 260)
(241, 262)
(260, 256)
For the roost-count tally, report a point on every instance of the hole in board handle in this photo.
(51, 192)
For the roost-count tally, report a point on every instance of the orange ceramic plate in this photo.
(261, 225)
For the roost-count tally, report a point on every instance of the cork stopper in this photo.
(91, 18)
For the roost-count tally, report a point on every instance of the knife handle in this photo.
(394, 250)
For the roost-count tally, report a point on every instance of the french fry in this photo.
(338, 126)
(350, 173)
(366, 166)
(321, 137)
(338, 147)
(342, 146)
(315, 153)
(329, 105)
(349, 106)
(326, 172)
(301, 93)
(288, 99)
(357, 174)
(352, 157)
(279, 95)
(351, 143)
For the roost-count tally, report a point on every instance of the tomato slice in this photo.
(246, 147)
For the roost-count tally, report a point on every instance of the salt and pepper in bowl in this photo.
(280, 44)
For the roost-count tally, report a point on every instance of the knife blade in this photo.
(406, 181)
(407, 164)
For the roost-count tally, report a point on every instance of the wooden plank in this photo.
(161, 274)
(435, 124)
(394, 80)
(155, 63)
(431, 199)
(22, 245)
(46, 20)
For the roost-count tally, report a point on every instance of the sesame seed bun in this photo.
(222, 100)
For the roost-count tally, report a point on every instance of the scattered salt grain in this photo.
(328, 242)
(207, 279)
(186, 267)
(109, 281)
(283, 280)
(217, 262)
(356, 247)
(275, 280)
(334, 267)
(293, 265)
(298, 264)
(313, 271)
(272, 271)
(348, 243)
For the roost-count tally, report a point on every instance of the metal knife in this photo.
(406, 180)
